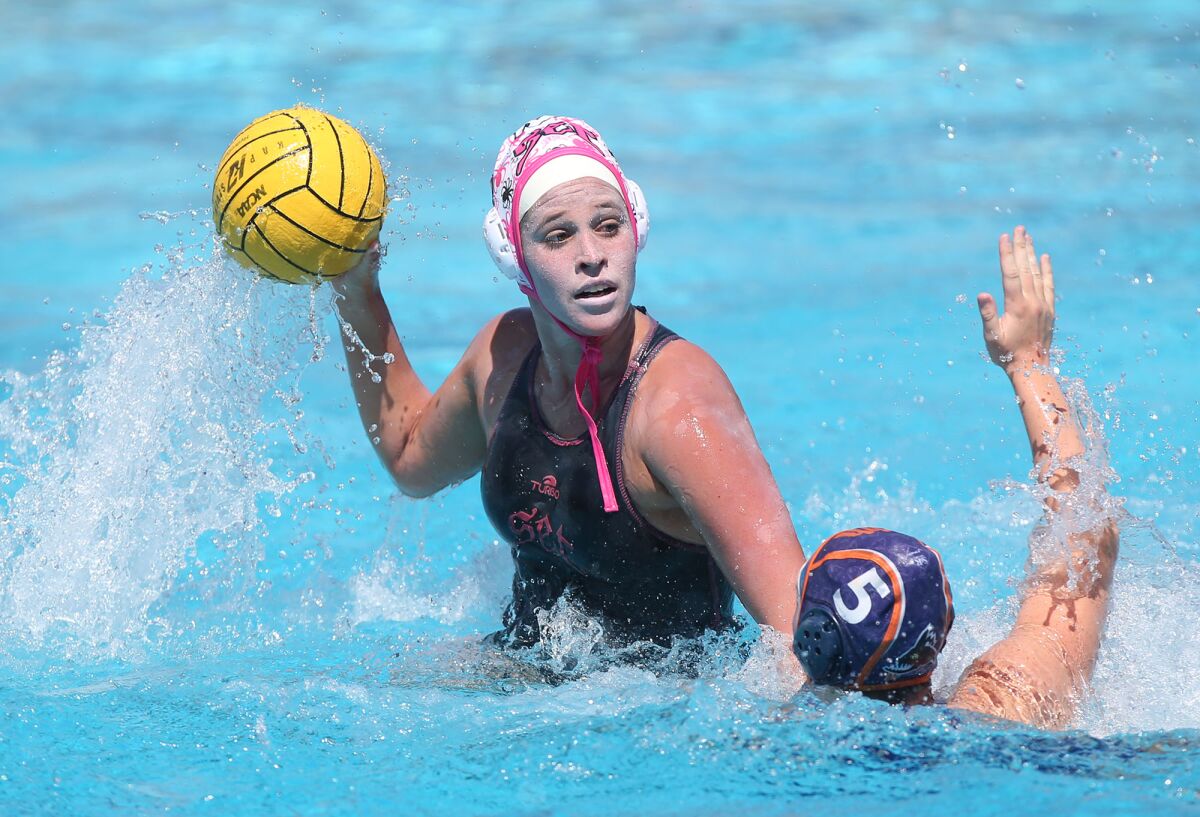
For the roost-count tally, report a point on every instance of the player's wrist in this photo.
(1026, 362)
(357, 292)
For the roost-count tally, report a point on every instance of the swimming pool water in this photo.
(211, 598)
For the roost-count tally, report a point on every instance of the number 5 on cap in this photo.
(862, 600)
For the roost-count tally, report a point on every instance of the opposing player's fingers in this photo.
(1021, 256)
(1039, 286)
(1048, 280)
(1009, 274)
(1031, 255)
(987, 314)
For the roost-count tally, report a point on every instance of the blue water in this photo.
(213, 601)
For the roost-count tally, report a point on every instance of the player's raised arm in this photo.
(427, 440)
(1037, 673)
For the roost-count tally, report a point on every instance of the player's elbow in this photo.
(1108, 547)
(1096, 556)
(1086, 569)
(412, 480)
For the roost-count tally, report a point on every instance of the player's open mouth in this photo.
(597, 291)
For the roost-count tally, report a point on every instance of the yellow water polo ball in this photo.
(299, 195)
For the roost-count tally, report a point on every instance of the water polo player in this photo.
(616, 458)
(875, 606)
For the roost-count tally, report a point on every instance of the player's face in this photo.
(579, 248)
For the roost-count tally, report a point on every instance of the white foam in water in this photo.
(393, 591)
(122, 454)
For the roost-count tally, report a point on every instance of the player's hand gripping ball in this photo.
(299, 195)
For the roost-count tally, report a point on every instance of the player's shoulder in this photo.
(508, 333)
(500, 346)
(684, 368)
(684, 391)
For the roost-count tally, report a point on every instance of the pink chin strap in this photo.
(588, 375)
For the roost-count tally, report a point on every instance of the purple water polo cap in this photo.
(874, 611)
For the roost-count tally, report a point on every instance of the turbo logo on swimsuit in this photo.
(547, 487)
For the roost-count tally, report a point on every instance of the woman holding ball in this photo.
(616, 458)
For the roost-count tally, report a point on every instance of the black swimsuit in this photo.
(541, 493)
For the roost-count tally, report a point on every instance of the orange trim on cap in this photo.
(814, 562)
(853, 532)
(882, 561)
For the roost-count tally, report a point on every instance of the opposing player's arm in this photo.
(697, 442)
(1037, 673)
(427, 440)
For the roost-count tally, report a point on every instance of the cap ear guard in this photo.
(820, 648)
(641, 213)
(504, 254)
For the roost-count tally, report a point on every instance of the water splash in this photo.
(1082, 511)
(146, 450)
(396, 589)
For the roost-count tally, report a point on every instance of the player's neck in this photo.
(919, 695)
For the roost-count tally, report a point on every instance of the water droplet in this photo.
(1020, 83)
(962, 66)
(960, 298)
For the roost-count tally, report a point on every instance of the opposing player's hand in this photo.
(363, 278)
(1021, 336)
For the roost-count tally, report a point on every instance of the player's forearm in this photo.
(1090, 549)
(1067, 597)
(387, 390)
(1049, 423)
